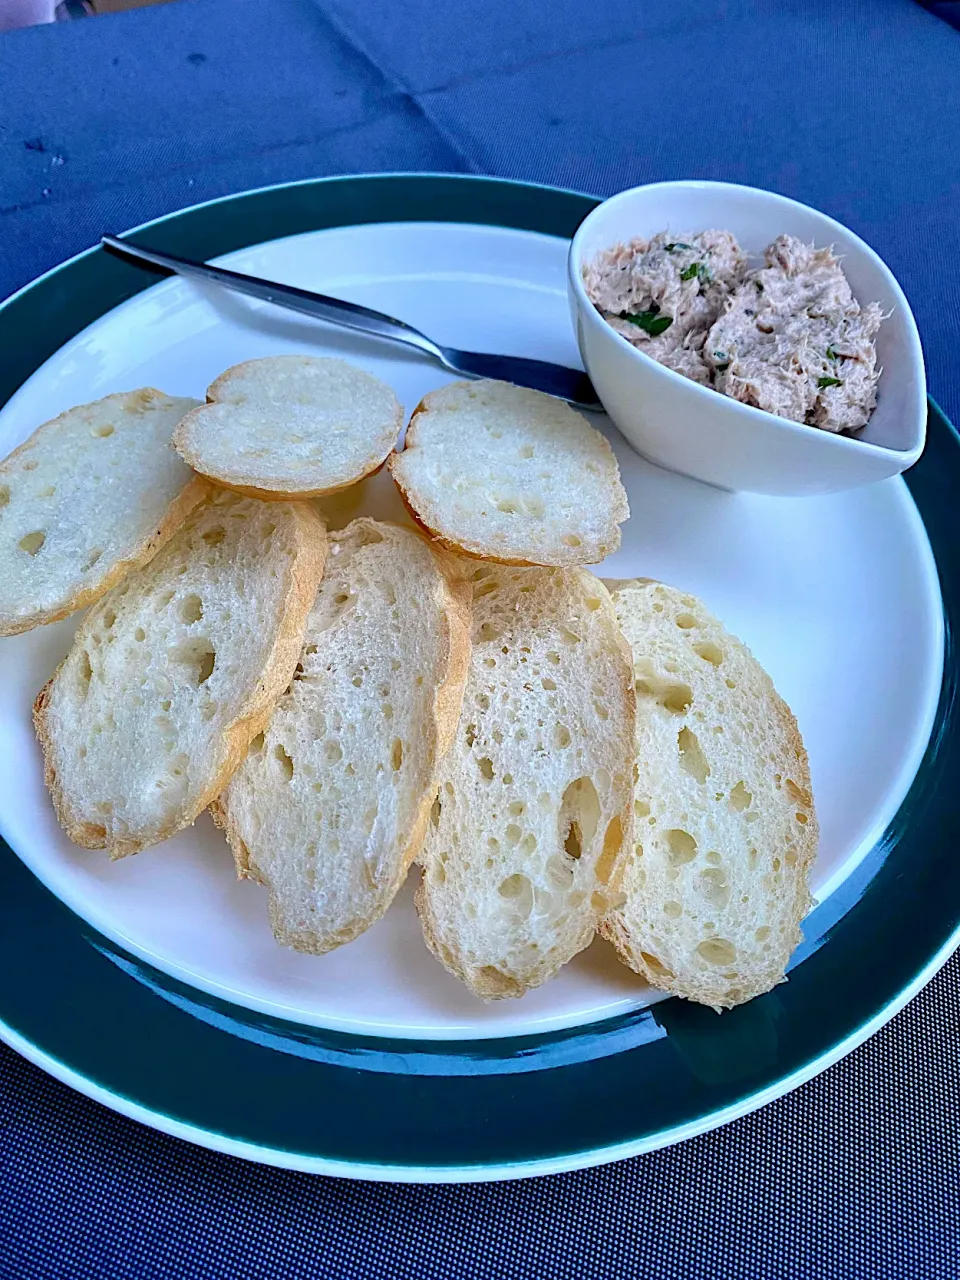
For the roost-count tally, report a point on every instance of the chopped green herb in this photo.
(678, 244)
(759, 284)
(700, 270)
(720, 356)
(829, 382)
(833, 355)
(649, 321)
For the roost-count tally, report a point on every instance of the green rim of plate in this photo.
(370, 1107)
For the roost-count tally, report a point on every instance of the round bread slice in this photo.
(533, 820)
(503, 473)
(331, 804)
(291, 427)
(86, 498)
(716, 885)
(173, 672)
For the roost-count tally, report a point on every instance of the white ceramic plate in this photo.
(837, 596)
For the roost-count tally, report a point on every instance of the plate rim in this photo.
(446, 1173)
(436, 1175)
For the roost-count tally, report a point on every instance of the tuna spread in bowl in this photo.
(785, 335)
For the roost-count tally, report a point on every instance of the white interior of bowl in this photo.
(757, 217)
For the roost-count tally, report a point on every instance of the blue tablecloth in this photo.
(852, 107)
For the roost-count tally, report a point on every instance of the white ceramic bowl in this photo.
(692, 429)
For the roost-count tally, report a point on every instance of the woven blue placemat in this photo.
(852, 108)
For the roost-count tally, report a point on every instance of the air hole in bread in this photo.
(685, 621)
(673, 910)
(508, 506)
(47, 491)
(671, 694)
(513, 834)
(95, 830)
(102, 432)
(593, 603)
(740, 797)
(284, 761)
(573, 844)
(84, 674)
(711, 653)
(196, 658)
(682, 847)
(612, 843)
(799, 795)
(213, 537)
(641, 808)
(526, 451)
(548, 684)
(488, 632)
(570, 540)
(518, 891)
(396, 755)
(763, 933)
(692, 759)
(333, 752)
(485, 765)
(579, 816)
(712, 884)
(32, 542)
(802, 819)
(487, 588)
(718, 951)
(569, 636)
(655, 966)
(561, 736)
(191, 609)
(516, 808)
(367, 536)
(435, 812)
(4, 494)
(256, 745)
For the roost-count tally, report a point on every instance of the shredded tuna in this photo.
(788, 337)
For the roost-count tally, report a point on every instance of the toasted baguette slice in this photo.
(726, 832)
(173, 672)
(511, 475)
(534, 816)
(290, 427)
(86, 498)
(331, 804)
